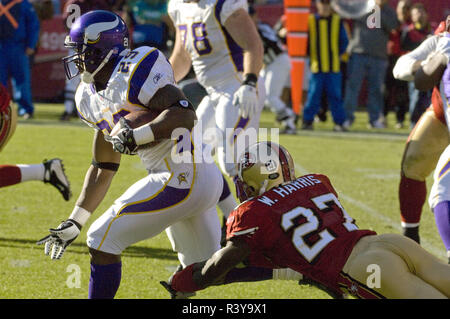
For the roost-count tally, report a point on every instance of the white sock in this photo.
(227, 205)
(34, 172)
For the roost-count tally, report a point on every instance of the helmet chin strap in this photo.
(263, 187)
(88, 77)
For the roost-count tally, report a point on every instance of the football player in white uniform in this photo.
(180, 195)
(439, 199)
(276, 73)
(226, 61)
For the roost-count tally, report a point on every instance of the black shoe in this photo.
(322, 115)
(413, 233)
(65, 116)
(307, 126)
(55, 175)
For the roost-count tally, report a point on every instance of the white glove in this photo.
(60, 238)
(443, 46)
(246, 96)
(65, 234)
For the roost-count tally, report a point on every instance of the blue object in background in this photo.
(19, 30)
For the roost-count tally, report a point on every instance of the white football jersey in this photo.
(440, 191)
(215, 56)
(135, 79)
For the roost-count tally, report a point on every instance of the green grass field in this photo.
(363, 165)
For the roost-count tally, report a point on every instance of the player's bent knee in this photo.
(101, 258)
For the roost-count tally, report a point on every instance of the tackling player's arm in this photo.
(180, 59)
(429, 74)
(201, 275)
(98, 178)
(408, 64)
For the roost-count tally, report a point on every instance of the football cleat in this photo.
(55, 175)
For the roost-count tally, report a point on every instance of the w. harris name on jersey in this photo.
(289, 188)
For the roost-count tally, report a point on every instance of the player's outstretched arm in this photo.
(96, 184)
(408, 64)
(430, 72)
(201, 275)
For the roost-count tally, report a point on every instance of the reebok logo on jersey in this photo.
(157, 77)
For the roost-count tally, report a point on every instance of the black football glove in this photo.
(124, 141)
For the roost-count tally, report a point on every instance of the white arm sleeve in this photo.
(161, 75)
(403, 69)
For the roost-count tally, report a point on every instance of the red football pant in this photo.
(412, 196)
(9, 175)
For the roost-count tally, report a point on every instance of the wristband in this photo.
(250, 79)
(143, 134)
(80, 215)
(183, 281)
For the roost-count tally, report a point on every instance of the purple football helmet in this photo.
(96, 37)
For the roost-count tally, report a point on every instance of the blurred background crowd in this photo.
(359, 75)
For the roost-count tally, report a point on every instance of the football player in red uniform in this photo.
(51, 171)
(430, 136)
(299, 223)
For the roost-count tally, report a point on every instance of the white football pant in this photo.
(179, 197)
(223, 129)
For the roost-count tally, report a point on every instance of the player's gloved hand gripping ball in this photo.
(123, 141)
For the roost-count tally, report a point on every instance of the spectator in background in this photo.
(19, 33)
(151, 23)
(44, 10)
(369, 60)
(275, 73)
(325, 27)
(412, 36)
(396, 92)
(72, 84)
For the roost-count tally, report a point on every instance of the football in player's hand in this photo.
(135, 119)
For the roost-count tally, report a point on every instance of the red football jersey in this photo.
(300, 225)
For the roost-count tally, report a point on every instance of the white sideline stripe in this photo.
(355, 135)
(438, 252)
